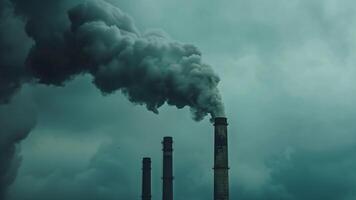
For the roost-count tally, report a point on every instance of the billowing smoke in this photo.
(51, 42)
(149, 68)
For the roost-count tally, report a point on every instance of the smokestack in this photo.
(146, 179)
(167, 190)
(221, 174)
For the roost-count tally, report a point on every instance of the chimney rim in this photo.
(146, 160)
(168, 138)
(220, 121)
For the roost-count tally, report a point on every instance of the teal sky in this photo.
(287, 72)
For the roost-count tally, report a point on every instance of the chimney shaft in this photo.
(167, 190)
(221, 174)
(146, 179)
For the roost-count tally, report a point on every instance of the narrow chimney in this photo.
(167, 190)
(146, 179)
(221, 174)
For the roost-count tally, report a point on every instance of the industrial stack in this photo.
(167, 178)
(167, 189)
(221, 167)
(146, 179)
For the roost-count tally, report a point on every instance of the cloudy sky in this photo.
(287, 79)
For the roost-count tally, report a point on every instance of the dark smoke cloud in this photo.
(48, 43)
(16, 122)
(16, 119)
(14, 45)
(150, 69)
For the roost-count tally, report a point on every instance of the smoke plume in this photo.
(51, 42)
(99, 39)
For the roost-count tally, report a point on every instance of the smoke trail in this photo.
(44, 42)
(148, 68)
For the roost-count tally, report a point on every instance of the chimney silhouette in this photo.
(167, 189)
(221, 174)
(146, 179)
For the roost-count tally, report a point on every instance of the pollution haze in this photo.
(77, 78)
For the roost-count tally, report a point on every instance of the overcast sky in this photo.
(287, 71)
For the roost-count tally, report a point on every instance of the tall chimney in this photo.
(221, 174)
(167, 190)
(146, 179)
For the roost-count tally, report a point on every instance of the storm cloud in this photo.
(17, 120)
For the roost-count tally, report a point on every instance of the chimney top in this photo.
(220, 121)
(167, 143)
(167, 139)
(146, 163)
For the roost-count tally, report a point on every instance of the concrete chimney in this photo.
(146, 179)
(167, 189)
(221, 174)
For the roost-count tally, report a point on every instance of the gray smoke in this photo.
(148, 68)
(50, 42)
(100, 39)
